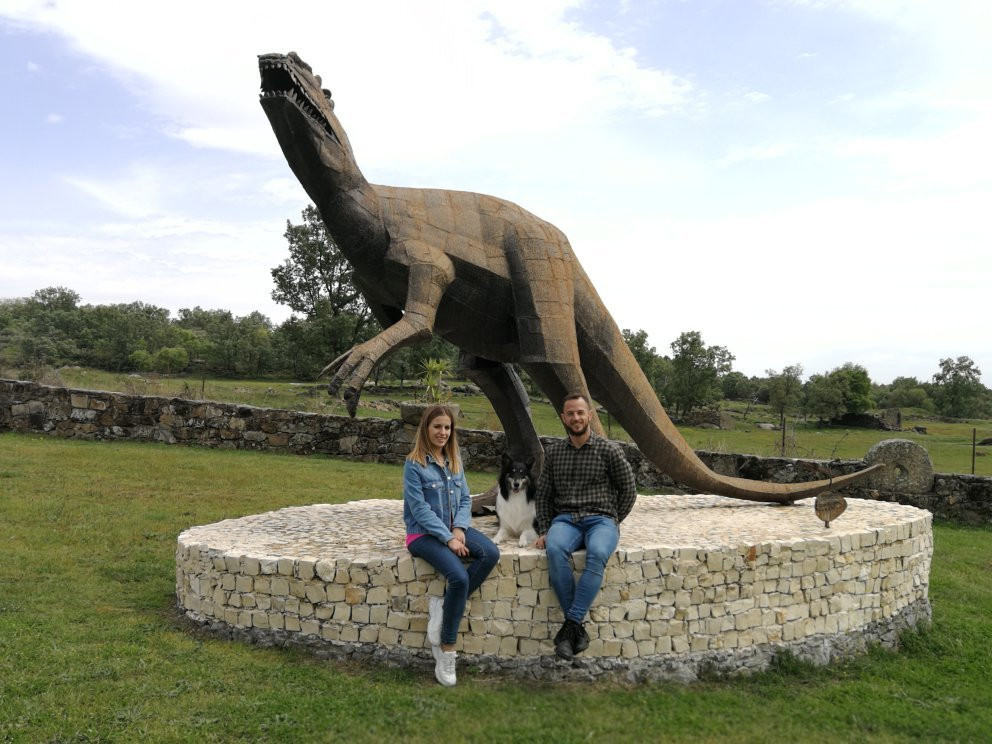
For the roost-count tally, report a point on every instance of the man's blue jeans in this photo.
(462, 579)
(600, 535)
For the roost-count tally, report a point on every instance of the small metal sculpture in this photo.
(496, 281)
(829, 506)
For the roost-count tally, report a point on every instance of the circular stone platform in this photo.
(698, 583)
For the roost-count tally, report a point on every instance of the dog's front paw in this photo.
(500, 536)
(527, 538)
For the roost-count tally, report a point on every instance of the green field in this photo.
(92, 647)
(949, 444)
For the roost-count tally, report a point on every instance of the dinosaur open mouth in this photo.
(280, 81)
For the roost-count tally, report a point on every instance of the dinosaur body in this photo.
(496, 281)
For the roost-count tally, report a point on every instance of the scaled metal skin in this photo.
(493, 279)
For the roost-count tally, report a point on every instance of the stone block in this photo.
(389, 636)
(348, 634)
(500, 627)
(508, 646)
(472, 644)
(368, 634)
(398, 620)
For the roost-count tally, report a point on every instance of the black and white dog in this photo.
(515, 505)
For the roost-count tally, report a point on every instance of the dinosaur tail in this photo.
(616, 380)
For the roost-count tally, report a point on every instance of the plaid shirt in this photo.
(592, 479)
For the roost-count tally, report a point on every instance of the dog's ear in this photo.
(530, 462)
(506, 459)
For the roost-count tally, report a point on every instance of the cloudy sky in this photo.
(802, 181)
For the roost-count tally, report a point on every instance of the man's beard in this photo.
(580, 433)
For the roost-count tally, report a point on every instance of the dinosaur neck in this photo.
(354, 219)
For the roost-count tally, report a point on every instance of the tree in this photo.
(46, 328)
(855, 385)
(738, 386)
(905, 392)
(317, 283)
(170, 360)
(232, 346)
(846, 389)
(307, 345)
(112, 333)
(824, 397)
(316, 277)
(958, 390)
(646, 356)
(56, 298)
(784, 391)
(696, 372)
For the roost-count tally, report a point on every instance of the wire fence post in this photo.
(974, 438)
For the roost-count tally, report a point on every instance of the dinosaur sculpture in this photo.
(496, 281)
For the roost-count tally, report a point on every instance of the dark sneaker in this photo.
(581, 642)
(565, 640)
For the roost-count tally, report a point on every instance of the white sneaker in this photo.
(444, 669)
(435, 612)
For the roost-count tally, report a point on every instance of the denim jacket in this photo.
(435, 500)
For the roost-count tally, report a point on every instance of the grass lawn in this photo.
(92, 647)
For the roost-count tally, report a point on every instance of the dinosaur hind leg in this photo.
(558, 380)
(502, 386)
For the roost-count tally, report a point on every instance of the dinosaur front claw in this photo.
(335, 364)
(349, 375)
(350, 392)
(351, 396)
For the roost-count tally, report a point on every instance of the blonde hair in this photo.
(422, 444)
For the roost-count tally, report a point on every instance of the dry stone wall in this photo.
(697, 583)
(89, 414)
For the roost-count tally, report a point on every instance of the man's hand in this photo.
(540, 542)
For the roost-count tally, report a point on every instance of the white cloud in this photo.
(959, 158)
(54, 119)
(758, 152)
(138, 193)
(284, 190)
(518, 68)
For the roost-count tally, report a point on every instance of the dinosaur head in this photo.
(302, 116)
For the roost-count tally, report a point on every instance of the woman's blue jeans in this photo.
(463, 579)
(600, 536)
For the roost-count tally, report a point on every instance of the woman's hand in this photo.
(458, 547)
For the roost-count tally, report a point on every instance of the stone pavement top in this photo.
(373, 529)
